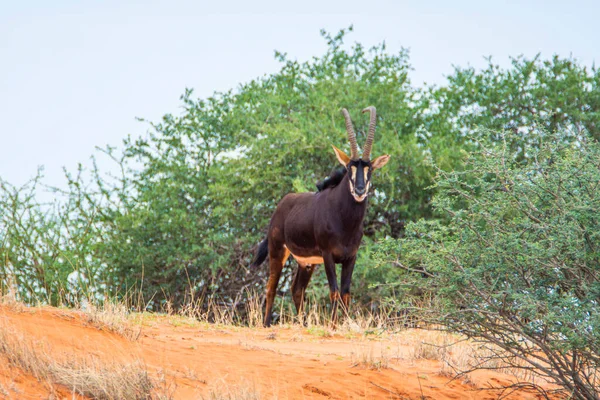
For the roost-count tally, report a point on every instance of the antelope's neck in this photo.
(351, 211)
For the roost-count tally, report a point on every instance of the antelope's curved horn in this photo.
(369, 142)
(351, 135)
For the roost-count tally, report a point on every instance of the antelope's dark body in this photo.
(321, 228)
(313, 224)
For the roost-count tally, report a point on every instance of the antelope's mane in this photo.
(335, 177)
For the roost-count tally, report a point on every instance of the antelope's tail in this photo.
(261, 253)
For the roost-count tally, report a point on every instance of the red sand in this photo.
(193, 361)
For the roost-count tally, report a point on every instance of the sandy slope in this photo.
(193, 360)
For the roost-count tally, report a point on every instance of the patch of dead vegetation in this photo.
(113, 317)
(84, 375)
(242, 390)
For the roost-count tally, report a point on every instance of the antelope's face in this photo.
(360, 170)
(359, 174)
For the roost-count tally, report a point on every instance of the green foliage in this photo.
(518, 263)
(532, 99)
(195, 195)
(48, 251)
(208, 181)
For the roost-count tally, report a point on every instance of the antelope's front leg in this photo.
(334, 291)
(347, 269)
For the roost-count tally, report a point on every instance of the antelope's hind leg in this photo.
(299, 284)
(277, 258)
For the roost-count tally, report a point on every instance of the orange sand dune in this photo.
(192, 360)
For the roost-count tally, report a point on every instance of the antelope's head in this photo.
(360, 170)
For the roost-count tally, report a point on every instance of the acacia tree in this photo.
(531, 99)
(517, 266)
(207, 181)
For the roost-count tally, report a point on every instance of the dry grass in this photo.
(242, 390)
(316, 315)
(459, 356)
(87, 376)
(433, 345)
(98, 380)
(371, 358)
(4, 392)
(9, 298)
(113, 317)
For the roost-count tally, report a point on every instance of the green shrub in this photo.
(517, 265)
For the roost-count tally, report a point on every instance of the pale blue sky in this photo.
(75, 74)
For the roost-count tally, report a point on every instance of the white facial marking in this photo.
(359, 199)
(364, 196)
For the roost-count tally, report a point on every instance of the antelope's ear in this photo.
(341, 156)
(380, 162)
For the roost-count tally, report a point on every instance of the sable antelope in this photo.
(323, 227)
